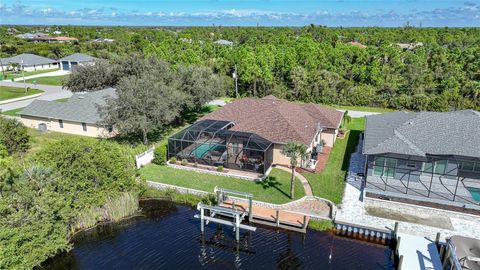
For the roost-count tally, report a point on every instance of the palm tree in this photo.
(295, 151)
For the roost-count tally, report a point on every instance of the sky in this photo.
(387, 13)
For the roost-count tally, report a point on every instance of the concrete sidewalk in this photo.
(50, 93)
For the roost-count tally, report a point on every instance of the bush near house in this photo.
(160, 154)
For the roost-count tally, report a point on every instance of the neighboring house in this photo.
(223, 42)
(409, 46)
(69, 62)
(103, 40)
(28, 62)
(249, 134)
(357, 44)
(79, 115)
(42, 37)
(430, 157)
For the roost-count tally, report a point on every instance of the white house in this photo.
(69, 62)
(28, 62)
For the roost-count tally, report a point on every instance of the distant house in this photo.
(409, 46)
(42, 37)
(427, 157)
(69, 62)
(57, 32)
(103, 40)
(28, 62)
(249, 134)
(224, 42)
(79, 115)
(357, 44)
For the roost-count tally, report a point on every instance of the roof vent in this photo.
(410, 123)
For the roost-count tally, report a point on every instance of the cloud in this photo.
(466, 14)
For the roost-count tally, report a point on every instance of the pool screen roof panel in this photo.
(219, 129)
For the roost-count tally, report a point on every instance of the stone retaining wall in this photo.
(200, 170)
(182, 190)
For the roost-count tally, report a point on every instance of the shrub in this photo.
(173, 160)
(14, 136)
(160, 154)
(220, 169)
(195, 164)
(184, 162)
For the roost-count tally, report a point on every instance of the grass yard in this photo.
(7, 92)
(274, 189)
(19, 74)
(12, 112)
(330, 183)
(53, 80)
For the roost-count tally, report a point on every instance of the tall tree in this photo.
(296, 151)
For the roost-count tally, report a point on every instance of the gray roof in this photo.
(81, 107)
(423, 133)
(223, 42)
(28, 59)
(78, 57)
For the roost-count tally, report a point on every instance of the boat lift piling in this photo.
(236, 223)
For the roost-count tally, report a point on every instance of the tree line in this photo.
(439, 72)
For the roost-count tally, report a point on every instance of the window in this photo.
(378, 166)
(467, 165)
(477, 167)
(110, 129)
(60, 123)
(440, 166)
(384, 166)
(84, 126)
(412, 164)
(428, 167)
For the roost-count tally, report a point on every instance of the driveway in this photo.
(48, 74)
(51, 93)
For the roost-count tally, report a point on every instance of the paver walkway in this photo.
(303, 180)
(50, 93)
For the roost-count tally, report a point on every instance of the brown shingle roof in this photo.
(278, 120)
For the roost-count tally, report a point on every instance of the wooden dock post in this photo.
(250, 213)
(202, 217)
(437, 241)
(237, 227)
(304, 222)
(395, 229)
(277, 219)
(400, 262)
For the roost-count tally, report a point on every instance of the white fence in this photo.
(144, 158)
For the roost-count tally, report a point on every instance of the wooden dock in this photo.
(271, 217)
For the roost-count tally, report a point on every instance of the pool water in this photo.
(168, 237)
(201, 150)
(475, 193)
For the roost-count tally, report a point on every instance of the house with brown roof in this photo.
(249, 134)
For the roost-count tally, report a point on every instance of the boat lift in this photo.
(236, 223)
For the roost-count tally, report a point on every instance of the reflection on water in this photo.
(168, 237)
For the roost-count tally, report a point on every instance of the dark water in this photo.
(168, 237)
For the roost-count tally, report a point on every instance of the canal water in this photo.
(167, 236)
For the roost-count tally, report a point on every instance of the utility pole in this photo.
(235, 76)
(3, 70)
(23, 75)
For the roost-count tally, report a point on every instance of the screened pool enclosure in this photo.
(211, 142)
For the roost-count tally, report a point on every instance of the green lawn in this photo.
(330, 183)
(7, 92)
(12, 112)
(274, 189)
(19, 74)
(53, 80)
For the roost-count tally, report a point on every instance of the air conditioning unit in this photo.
(42, 127)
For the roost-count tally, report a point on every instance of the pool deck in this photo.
(419, 253)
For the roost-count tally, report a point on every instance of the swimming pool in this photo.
(475, 193)
(201, 150)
